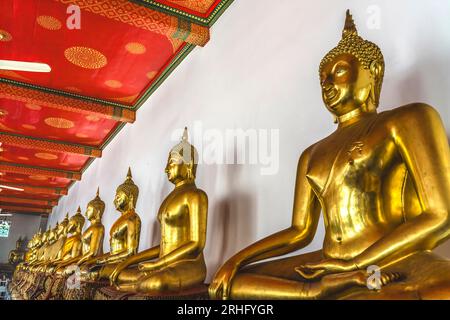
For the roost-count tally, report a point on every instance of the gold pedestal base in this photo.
(85, 291)
(110, 293)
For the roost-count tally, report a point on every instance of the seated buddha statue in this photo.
(32, 247)
(17, 255)
(30, 253)
(42, 257)
(382, 181)
(124, 234)
(72, 244)
(46, 239)
(177, 263)
(57, 238)
(91, 240)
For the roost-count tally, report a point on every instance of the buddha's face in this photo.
(51, 236)
(72, 226)
(121, 201)
(90, 212)
(61, 229)
(176, 169)
(346, 85)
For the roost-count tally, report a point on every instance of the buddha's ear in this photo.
(190, 170)
(132, 201)
(376, 69)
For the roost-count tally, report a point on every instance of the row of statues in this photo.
(175, 264)
(381, 180)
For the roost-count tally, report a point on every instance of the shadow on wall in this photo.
(234, 222)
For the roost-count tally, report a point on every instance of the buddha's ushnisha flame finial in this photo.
(349, 26)
(185, 134)
(129, 175)
(78, 217)
(97, 195)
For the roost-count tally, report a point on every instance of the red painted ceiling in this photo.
(42, 158)
(52, 124)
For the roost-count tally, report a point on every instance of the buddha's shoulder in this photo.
(95, 227)
(193, 191)
(412, 111)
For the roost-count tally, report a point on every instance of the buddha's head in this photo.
(52, 235)
(76, 222)
(126, 194)
(61, 228)
(44, 237)
(182, 163)
(95, 208)
(351, 74)
(36, 241)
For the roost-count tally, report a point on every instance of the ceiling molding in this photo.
(24, 205)
(203, 20)
(23, 92)
(40, 171)
(36, 190)
(49, 145)
(25, 209)
(25, 201)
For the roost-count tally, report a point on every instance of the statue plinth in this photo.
(199, 292)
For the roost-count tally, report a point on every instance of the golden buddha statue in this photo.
(92, 239)
(24, 274)
(177, 263)
(43, 247)
(124, 234)
(30, 257)
(31, 250)
(17, 255)
(56, 239)
(382, 181)
(72, 245)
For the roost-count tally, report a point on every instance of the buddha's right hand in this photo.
(115, 274)
(220, 287)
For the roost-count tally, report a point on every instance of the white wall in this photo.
(260, 71)
(22, 225)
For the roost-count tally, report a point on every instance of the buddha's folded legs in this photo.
(278, 280)
(426, 276)
(254, 286)
(106, 270)
(179, 276)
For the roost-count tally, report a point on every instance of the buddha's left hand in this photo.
(314, 270)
